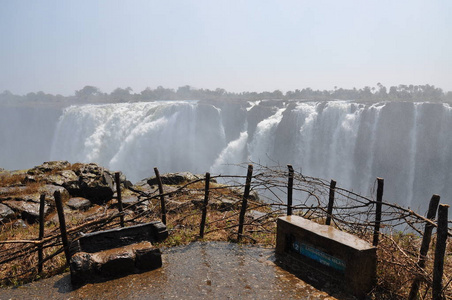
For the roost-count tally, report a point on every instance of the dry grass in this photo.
(11, 179)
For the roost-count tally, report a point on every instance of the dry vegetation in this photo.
(397, 252)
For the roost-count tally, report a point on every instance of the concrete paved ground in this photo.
(197, 271)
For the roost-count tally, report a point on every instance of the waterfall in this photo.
(408, 144)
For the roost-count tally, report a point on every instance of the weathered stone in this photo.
(118, 237)
(253, 196)
(49, 191)
(79, 203)
(130, 200)
(175, 178)
(115, 262)
(49, 166)
(147, 257)
(62, 178)
(28, 210)
(94, 183)
(82, 266)
(6, 213)
(12, 190)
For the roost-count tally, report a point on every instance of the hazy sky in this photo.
(61, 46)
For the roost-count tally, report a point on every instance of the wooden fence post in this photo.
(378, 210)
(204, 207)
(118, 193)
(162, 198)
(41, 231)
(290, 190)
(432, 208)
(441, 241)
(245, 201)
(329, 211)
(64, 239)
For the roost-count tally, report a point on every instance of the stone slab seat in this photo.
(334, 254)
(116, 252)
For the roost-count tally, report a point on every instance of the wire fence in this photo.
(222, 207)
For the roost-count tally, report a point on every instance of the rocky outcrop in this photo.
(81, 180)
(90, 181)
(94, 183)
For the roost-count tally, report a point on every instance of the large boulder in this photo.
(94, 183)
(81, 180)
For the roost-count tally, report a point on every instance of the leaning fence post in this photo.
(329, 211)
(378, 210)
(290, 190)
(118, 193)
(204, 207)
(245, 201)
(432, 208)
(41, 231)
(441, 241)
(64, 239)
(162, 198)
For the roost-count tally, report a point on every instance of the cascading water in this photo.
(405, 143)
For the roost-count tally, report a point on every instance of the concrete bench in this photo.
(116, 252)
(339, 255)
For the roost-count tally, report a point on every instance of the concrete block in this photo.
(340, 255)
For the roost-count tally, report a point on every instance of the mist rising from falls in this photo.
(405, 143)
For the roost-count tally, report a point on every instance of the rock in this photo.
(50, 166)
(177, 206)
(49, 191)
(147, 257)
(28, 210)
(92, 267)
(63, 178)
(254, 196)
(256, 215)
(19, 224)
(116, 261)
(9, 191)
(81, 180)
(175, 178)
(129, 200)
(79, 203)
(6, 213)
(94, 183)
(226, 204)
